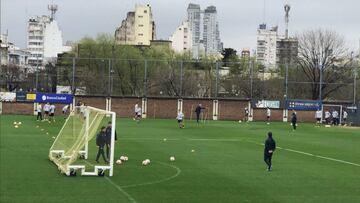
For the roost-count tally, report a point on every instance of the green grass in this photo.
(227, 165)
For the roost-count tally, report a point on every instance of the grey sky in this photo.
(238, 19)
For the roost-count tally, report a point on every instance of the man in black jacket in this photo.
(100, 142)
(108, 139)
(198, 112)
(270, 147)
(293, 120)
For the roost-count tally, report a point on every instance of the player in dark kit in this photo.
(100, 142)
(293, 120)
(108, 139)
(198, 112)
(270, 147)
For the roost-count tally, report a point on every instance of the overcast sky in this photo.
(238, 19)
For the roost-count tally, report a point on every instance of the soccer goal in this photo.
(74, 149)
(331, 108)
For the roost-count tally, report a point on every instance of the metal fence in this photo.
(183, 79)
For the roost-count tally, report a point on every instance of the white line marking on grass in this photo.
(142, 138)
(178, 171)
(130, 198)
(309, 154)
(300, 152)
(337, 160)
(218, 140)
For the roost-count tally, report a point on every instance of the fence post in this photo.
(251, 64)
(37, 74)
(217, 79)
(109, 79)
(181, 78)
(145, 79)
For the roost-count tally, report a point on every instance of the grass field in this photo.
(312, 164)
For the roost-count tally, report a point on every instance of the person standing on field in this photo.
(345, 115)
(268, 115)
(52, 112)
(46, 111)
(246, 114)
(198, 110)
(108, 139)
(318, 115)
(294, 120)
(100, 143)
(270, 147)
(39, 112)
(180, 118)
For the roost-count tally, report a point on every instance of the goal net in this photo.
(331, 108)
(75, 149)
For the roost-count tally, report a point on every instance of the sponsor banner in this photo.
(303, 105)
(21, 96)
(7, 96)
(54, 98)
(31, 96)
(267, 104)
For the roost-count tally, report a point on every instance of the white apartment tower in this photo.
(204, 29)
(44, 40)
(211, 34)
(194, 19)
(266, 46)
(138, 28)
(181, 40)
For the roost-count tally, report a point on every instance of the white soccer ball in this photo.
(146, 162)
(126, 158)
(240, 121)
(15, 123)
(172, 158)
(16, 126)
(122, 158)
(19, 123)
(118, 161)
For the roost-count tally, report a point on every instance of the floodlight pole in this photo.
(251, 65)
(181, 77)
(320, 82)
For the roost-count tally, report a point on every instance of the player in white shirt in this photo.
(335, 116)
(65, 108)
(180, 119)
(327, 117)
(135, 110)
(268, 115)
(345, 115)
(39, 112)
(52, 112)
(246, 114)
(138, 114)
(318, 115)
(46, 111)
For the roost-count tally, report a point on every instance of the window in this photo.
(141, 25)
(185, 30)
(140, 34)
(140, 16)
(145, 11)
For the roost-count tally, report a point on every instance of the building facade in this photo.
(211, 34)
(138, 28)
(44, 38)
(181, 40)
(266, 46)
(194, 19)
(4, 49)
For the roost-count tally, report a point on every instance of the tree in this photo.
(321, 53)
(11, 75)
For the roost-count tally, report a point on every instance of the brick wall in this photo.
(189, 106)
(124, 107)
(97, 102)
(18, 108)
(162, 108)
(260, 115)
(303, 116)
(232, 110)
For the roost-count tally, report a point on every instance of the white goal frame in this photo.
(97, 168)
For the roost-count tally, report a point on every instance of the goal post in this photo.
(330, 108)
(74, 149)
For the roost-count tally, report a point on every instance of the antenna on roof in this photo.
(52, 8)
